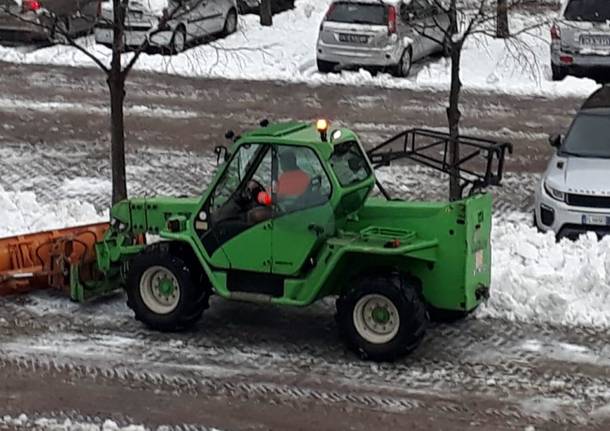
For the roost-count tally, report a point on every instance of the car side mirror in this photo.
(555, 141)
(221, 153)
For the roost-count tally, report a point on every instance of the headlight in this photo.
(554, 193)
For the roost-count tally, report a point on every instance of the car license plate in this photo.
(595, 40)
(479, 261)
(594, 219)
(353, 38)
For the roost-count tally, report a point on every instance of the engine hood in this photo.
(580, 175)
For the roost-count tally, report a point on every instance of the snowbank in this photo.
(286, 52)
(20, 212)
(43, 424)
(535, 279)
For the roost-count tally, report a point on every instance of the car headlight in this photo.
(554, 193)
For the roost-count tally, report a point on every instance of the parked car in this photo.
(580, 39)
(574, 193)
(252, 6)
(45, 20)
(196, 20)
(390, 34)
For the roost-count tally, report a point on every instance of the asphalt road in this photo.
(251, 367)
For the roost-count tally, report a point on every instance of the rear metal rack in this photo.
(481, 162)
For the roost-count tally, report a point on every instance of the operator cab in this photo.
(285, 183)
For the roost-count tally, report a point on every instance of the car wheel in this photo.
(558, 72)
(178, 42)
(164, 293)
(326, 66)
(383, 317)
(230, 26)
(403, 68)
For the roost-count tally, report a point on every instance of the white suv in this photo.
(573, 196)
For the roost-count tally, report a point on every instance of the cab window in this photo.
(349, 164)
(301, 181)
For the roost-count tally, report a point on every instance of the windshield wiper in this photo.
(362, 21)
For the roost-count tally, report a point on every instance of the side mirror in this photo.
(555, 141)
(221, 152)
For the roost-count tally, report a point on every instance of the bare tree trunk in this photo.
(453, 118)
(116, 85)
(117, 133)
(502, 30)
(453, 111)
(266, 13)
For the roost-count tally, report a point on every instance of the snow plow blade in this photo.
(50, 259)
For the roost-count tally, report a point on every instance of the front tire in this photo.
(383, 318)
(178, 42)
(164, 292)
(230, 26)
(326, 66)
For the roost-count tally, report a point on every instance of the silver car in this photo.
(580, 38)
(574, 194)
(194, 20)
(391, 34)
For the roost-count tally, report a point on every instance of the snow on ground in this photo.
(44, 424)
(21, 212)
(286, 52)
(535, 279)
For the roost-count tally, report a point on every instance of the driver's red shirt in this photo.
(292, 183)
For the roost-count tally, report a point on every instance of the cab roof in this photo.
(297, 132)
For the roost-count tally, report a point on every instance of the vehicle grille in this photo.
(588, 201)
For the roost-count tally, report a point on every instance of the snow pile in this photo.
(287, 52)
(536, 279)
(20, 212)
(43, 424)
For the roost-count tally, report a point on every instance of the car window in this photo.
(588, 10)
(416, 9)
(588, 136)
(358, 13)
(349, 164)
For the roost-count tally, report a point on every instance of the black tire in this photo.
(558, 72)
(174, 47)
(326, 66)
(193, 296)
(412, 316)
(227, 30)
(403, 68)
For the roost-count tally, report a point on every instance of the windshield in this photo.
(589, 136)
(358, 13)
(588, 10)
(349, 164)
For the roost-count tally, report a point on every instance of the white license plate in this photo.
(594, 219)
(103, 35)
(595, 40)
(479, 261)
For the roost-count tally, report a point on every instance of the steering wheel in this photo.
(250, 192)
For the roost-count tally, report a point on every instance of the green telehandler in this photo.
(290, 218)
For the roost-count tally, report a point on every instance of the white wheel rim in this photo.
(231, 23)
(160, 290)
(406, 61)
(376, 319)
(179, 41)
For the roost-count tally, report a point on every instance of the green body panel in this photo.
(319, 251)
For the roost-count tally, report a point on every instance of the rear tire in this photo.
(326, 66)
(558, 72)
(164, 292)
(403, 68)
(383, 318)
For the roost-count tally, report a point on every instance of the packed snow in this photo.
(534, 278)
(44, 424)
(287, 52)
